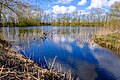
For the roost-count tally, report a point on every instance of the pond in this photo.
(68, 49)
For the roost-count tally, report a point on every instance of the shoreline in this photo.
(50, 26)
(82, 24)
(109, 41)
(16, 66)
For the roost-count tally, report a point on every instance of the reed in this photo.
(16, 66)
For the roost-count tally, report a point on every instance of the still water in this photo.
(72, 49)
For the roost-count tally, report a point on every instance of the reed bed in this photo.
(17, 67)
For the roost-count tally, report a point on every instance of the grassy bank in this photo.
(110, 41)
(17, 67)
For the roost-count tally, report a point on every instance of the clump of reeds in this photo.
(16, 66)
(110, 41)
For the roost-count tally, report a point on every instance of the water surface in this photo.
(72, 47)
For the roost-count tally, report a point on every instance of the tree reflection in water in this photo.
(74, 47)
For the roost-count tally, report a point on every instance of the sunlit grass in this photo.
(110, 41)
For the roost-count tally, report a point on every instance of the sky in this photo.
(70, 6)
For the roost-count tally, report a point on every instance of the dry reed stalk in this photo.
(53, 63)
(1, 70)
(46, 62)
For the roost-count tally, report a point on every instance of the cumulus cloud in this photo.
(71, 9)
(59, 10)
(82, 2)
(101, 3)
(62, 1)
(97, 3)
(62, 9)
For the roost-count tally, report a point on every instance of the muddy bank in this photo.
(110, 41)
(17, 67)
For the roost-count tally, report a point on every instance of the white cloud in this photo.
(63, 1)
(82, 2)
(97, 3)
(101, 3)
(71, 9)
(62, 9)
(59, 10)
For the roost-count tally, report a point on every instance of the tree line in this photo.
(20, 13)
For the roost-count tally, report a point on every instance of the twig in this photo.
(38, 75)
(1, 70)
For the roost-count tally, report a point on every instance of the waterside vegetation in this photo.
(22, 14)
(110, 41)
(109, 37)
(15, 66)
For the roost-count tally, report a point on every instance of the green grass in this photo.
(110, 41)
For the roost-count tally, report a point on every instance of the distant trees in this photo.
(10, 9)
(19, 13)
(115, 10)
(115, 15)
(24, 14)
(97, 17)
(94, 18)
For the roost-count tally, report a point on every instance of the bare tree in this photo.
(115, 10)
(115, 15)
(16, 7)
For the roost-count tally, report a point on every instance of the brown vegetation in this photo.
(15, 66)
(110, 41)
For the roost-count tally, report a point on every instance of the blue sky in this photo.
(70, 6)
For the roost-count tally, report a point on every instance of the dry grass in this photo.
(110, 41)
(15, 66)
(107, 31)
